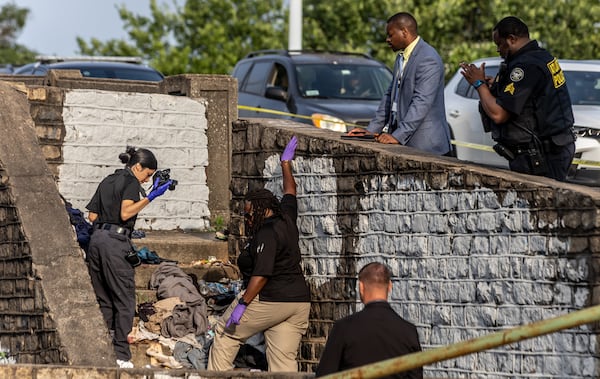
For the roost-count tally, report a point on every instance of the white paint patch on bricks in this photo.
(101, 124)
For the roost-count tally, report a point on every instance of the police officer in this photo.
(113, 211)
(527, 107)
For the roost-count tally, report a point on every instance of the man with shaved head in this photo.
(374, 334)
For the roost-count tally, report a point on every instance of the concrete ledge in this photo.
(184, 247)
(53, 372)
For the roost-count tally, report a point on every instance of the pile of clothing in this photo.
(183, 318)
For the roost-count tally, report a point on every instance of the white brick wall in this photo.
(100, 124)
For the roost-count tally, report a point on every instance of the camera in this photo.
(163, 177)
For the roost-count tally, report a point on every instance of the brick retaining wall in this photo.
(472, 251)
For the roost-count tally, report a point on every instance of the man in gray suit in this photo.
(412, 111)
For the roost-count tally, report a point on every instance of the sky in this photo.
(53, 25)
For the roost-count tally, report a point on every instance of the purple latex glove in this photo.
(158, 191)
(236, 315)
(290, 150)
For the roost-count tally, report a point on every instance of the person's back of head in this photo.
(144, 157)
(511, 25)
(374, 282)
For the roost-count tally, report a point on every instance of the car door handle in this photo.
(455, 113)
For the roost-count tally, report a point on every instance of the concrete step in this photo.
(184, 247)
(145, 296)
(194, 253)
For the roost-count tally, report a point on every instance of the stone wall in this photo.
(47, 305)
(472, 250)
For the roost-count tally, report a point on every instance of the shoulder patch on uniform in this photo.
(517, 74)
(510, 88)
(260, 248)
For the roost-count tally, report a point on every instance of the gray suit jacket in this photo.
(421, 115)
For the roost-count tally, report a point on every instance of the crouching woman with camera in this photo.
(111, 258)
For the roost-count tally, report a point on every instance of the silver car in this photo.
(473, 144)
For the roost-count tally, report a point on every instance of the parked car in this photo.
(583, 82)
(330, 90)
(94, 67)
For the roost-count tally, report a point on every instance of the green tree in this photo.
(202, 36)
(12, 21)
(460, 30)
(210, 36)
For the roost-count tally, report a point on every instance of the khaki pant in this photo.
(283, 325)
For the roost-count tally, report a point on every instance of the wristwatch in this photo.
(478, 83)
(242, 302)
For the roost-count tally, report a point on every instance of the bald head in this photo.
(374, 282)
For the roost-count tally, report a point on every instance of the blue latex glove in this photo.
(236, 315)
(158, 191)
(290, 150)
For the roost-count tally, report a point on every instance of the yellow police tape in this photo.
(469, 145)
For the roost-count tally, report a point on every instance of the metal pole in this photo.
(295, 25)
(414, 360)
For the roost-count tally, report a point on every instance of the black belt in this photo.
(114, 228)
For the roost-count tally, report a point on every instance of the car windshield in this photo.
(337, 81)
(120, 73)
(131, 72)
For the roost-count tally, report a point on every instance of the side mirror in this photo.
(276, 93)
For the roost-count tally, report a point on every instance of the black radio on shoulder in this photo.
(163, 177)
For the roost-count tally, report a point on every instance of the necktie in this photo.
(399, 68)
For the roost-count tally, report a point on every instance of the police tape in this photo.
(271, 111)
(468, 145)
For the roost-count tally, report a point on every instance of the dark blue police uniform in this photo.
(539, 134)
(113, 277)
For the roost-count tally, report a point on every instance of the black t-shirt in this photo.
(276, 255)
(106, 202)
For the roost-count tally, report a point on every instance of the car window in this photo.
(343, 81)
(257, 78)
(584, 87)
(279, 77)
(464, 89)
(240, 72)
(120, 73)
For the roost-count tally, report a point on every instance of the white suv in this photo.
(473, 144)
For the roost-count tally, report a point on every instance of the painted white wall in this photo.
(100, 124)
